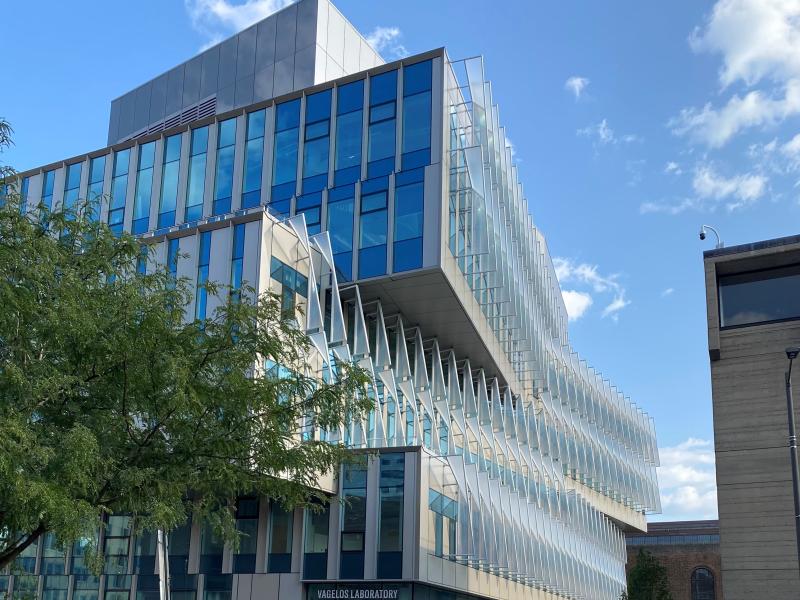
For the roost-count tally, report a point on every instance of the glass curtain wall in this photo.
(244, 559)
(144, 188)
(373, 228)
(169, 180)
(226, 153)
(349, 125)
(390, 528)
(416, 141)
(408, 220)
(47, 191)
(119, 191)
(254, 159)
(72, 184)
(197, 174)
(382, 123)
(341, 201)
(281, 522)
(284, 166)
(315, 559)
(97, 171)
(201, 291)
(354, 521)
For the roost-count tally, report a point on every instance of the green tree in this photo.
(110, 402)
(648, 579)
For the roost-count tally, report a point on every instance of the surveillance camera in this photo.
(702, 234)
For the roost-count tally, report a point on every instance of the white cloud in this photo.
(588, 276)
(673, 168)
(603, 134)
(577, 303)
(217, 19)
(576, 85)
(667, 292)
(687, 480)
(735, 192)
(759, 42)
(757, 39)
(386, 41)
(714, 127)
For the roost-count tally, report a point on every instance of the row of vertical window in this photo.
(381, 148)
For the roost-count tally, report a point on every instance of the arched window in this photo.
(702, 584)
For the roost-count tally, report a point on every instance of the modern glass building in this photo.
(381, 198)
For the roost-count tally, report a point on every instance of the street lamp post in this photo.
(791, 354)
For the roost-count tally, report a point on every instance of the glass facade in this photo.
(237, 260)
(354, 521)
(349, 126)
(119, 191)
(254, 159)
(72, 184)
(316, 143)
(390, 528)
(281, 524)
(203, 262)
(169, 180)
(416, 141)
(94, 195)
(211, 550)
(226, 153)
(244, 558)
(24, 190)
(759, 296)
(285, 148)
(341, 202)
(409, 197)
(315, 544)
(373, 228)
(197, 174)
(48, 183)
(382, 124)
(144, 188)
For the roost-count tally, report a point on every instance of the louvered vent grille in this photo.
(201, 110)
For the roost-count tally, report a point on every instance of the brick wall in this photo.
(681, 561)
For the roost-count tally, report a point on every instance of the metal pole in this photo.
(793, 455)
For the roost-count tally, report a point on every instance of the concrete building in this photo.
(689, 550)
(753, 302)
(382, 198)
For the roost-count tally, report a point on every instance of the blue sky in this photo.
(633, 123)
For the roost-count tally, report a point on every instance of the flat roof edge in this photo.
(760, 245)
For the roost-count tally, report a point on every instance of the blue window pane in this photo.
(97, 169)
(193, 213)
(73, 180)
(340, 225)
(380, 167)
(318, 106)
(374, 185)
(381, 140)
(224, 180)
(119, 187)
(196, 187)
(251, 199)
(372, 261)
(227, 133)
(348, 140)
(121, 160)
(417, 122)
(372, 202)
(287, 115)
(316, 130)
(383, 88)
(199, 140)
(172, 148)
(285, 167)
(417, 78)
(344, 266)
(147, 155)
(255, 124)
(345, 176)
(382, 112)
(420, 158)
(144, 188)
(407, 255)
(315, 184)
(254, 162)
(315, 157)
(169, 187)
(166, 219)
(373, 229)
(408, 212)
(350, 97)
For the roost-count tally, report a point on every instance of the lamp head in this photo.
(791, 353)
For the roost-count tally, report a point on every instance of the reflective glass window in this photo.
(23, 195)
(72, 184)
(244, 559)
(218, 587)
(702, 584)
(287, 128)
(760, 296)
(416, 140)
(97, 173)
(281, 522)
(169, 180)
(254, 159)
(237, 260)
(179, 549)
(372, 234)
(354, 521)
(408, 223)
(203, 261)
(315, 544)
(341, 201)
(55, 587)
(382, 124)
(349, 125)
(197, 174)
(47, 190)
(317, 141)
(53, 557)
(144, 188)
(226, 151)
(119, 191)
(211, 548)
(144, 556)
(116, 544)
(390, 525)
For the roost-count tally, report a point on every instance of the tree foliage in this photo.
(648, 579)
(111, 402)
